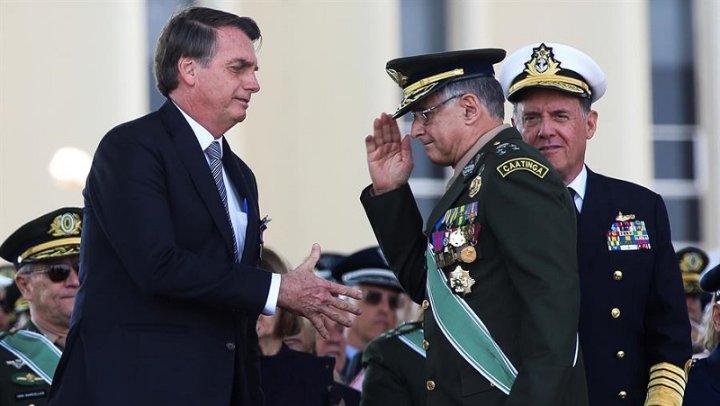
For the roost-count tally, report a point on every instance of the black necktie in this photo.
(577, 212)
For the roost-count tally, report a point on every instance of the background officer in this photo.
(394, 366)
(634, 326)
(693, 261)
(45, 252)
(703, 386)
(368, 270)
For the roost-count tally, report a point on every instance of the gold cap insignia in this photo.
(544, 70)
(65, 224)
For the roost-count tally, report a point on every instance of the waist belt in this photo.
(465, 331)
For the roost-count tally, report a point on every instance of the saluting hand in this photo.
(388, 154)
(304, 293)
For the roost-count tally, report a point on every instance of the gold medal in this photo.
(468, 254)
(460, 281)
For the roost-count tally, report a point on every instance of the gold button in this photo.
(615, 313)
(426, 345)
(622, 394)
(430, 385)
(617, 275)
(425, 304)
(620, 354)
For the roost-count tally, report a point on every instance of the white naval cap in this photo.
(554, 66)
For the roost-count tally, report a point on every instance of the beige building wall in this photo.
(323, 81)
(707, 39)
(614, 33)
(72, 70)
(69, 71)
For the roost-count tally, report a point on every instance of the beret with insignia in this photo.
(692, 263)
(368, 267)
(421, 75)
(552, 66)
(48, 237)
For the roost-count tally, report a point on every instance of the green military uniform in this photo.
(20, 385)
(395, 369)
(525, 287)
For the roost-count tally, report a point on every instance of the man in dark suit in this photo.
(170, 284)
(634, 329)
(498, 253)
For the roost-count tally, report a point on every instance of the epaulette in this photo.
(402, 329)
(502, 148)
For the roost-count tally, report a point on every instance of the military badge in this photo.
(456, 236)
(502, 149)
(460, 281)
(27, 379)
(65, 224)
(628, 234)
(522, 164)
(475, 185)
(16, 363)
(468, 254)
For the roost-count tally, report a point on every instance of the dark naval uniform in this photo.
(703, 386)
(19, 385)
(526, 289)
(394, 371)
(633, 313)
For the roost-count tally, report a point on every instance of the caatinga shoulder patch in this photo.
(522, 164)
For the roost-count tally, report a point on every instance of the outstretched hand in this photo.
(304, 293)
(388, 154)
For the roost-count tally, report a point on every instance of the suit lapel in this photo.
(194, 160)
(594, 220)
(247, 199)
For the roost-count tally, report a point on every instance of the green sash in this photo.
(36, 351)
(414, 340)
(465, 331)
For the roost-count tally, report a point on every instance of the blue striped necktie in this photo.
(213, 152)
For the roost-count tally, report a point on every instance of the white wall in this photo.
(69, 71)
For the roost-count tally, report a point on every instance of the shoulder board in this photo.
(403, 329)
(501, 148)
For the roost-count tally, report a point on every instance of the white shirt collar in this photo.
(579, 184)
(203, 136)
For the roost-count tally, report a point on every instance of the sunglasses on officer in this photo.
(374, 297)
(57, 272)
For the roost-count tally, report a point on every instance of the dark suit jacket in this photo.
(526, 284)
(653, 324)
(703, 386)
(163, 314)
(300, 379)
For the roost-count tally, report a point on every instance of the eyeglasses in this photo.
(374, 297)
(423, 115)
(59, 272)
